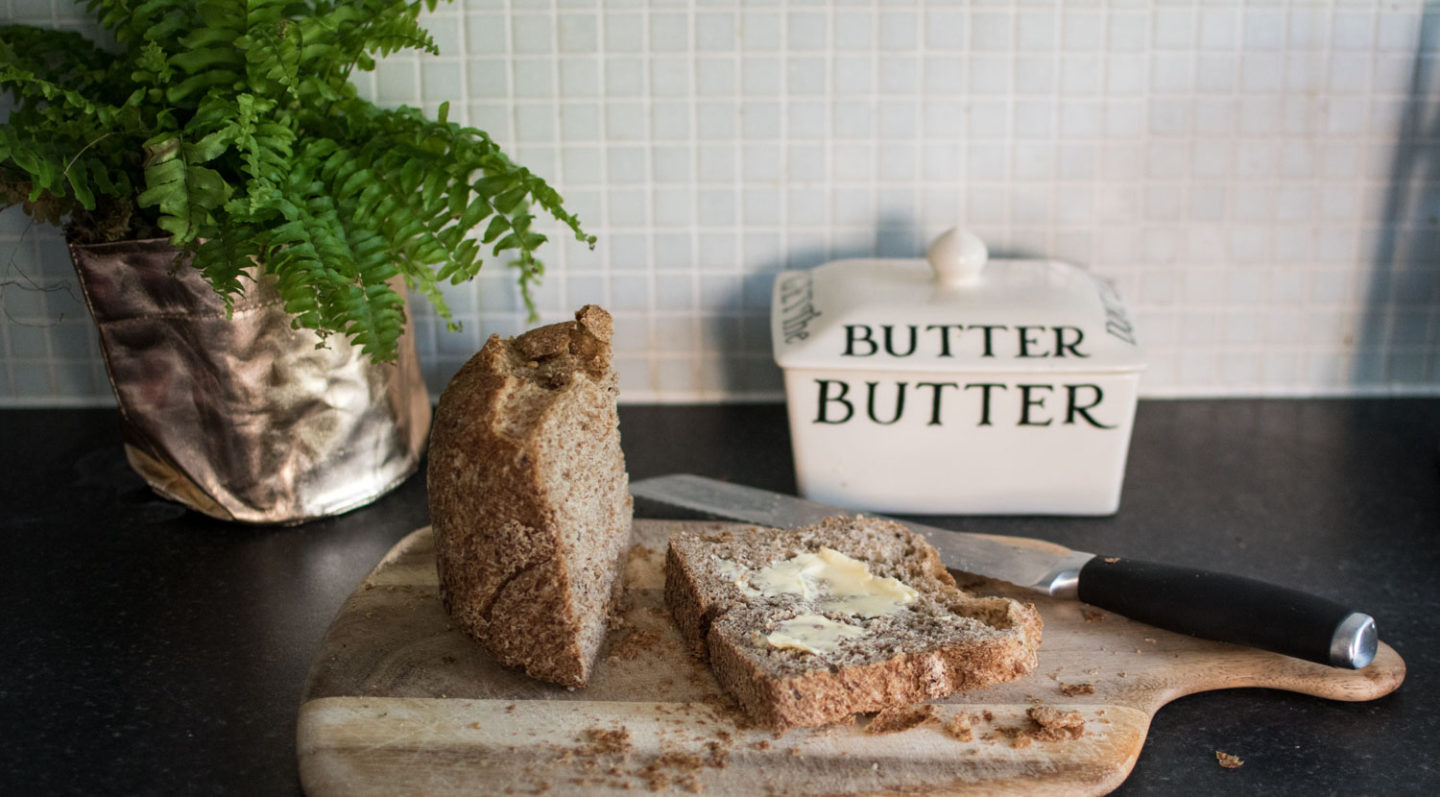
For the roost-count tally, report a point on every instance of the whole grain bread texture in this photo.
(943, 642)
(529, 499)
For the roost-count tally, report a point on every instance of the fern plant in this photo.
(232, 127)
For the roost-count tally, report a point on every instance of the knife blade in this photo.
(1200, 603)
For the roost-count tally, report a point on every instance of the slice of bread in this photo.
(722, 590)
(529, 498)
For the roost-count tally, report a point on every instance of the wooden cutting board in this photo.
(400, 702)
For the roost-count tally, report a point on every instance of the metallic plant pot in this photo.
(244, 418)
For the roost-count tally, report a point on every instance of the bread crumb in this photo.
(1047, 724)
(1051, 724)
(640, 553)
(763, 744)
(1073, 690)
(682, 769)
(958, 728)
(634, 643)
(602, 741)
(1092, 616)
(894, 720)
(719, 754)
(1228, 761)
(657, 776)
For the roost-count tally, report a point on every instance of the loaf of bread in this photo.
(529, 499)
(809, 626)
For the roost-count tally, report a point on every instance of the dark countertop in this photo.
(154, 651)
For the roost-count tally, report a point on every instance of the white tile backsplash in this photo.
(1261, 179)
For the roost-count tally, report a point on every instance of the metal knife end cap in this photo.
(1355, 641)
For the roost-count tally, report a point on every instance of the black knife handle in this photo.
(1229, 608)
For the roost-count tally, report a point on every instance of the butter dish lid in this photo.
(957, 311)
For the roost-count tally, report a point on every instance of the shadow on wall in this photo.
(747, 366)
(1398, 340)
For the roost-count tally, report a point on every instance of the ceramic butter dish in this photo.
(957, 386)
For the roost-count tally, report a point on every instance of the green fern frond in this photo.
(237, 123)
(375, 309)
(59, 119)
(224, 259)
(185, 193)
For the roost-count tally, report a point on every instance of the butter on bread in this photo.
(892, 652)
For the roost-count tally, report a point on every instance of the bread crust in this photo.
(907, 659)
(529, 499)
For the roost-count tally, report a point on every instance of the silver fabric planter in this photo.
(244, 418)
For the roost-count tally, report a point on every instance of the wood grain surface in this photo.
(399, 702)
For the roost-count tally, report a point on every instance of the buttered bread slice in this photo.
(809, 626)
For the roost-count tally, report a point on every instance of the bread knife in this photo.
(1200, 603)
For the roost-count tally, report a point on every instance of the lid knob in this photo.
(958, 257)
